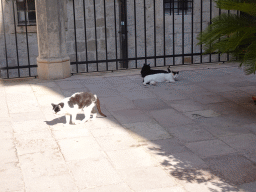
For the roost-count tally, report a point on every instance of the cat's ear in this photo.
(61, 104)
(169, 71)
(53, 105)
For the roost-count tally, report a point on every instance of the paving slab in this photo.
(147, 178)
(210, 148)
(234, 169)
(197, 134)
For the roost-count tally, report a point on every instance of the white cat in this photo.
(78, 102)
(160, 77)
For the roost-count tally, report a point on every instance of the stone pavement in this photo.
(197, 134)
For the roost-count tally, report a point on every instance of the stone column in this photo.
(53, 61)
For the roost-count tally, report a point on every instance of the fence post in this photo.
(53, 61)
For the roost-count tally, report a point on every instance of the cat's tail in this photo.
(98, 107)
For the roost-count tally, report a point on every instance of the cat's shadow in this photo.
(62, 120)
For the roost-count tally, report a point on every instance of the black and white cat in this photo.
(146, 70)
(160, 77)
(79, 102)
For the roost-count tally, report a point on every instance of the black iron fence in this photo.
(107, 35)
(18, 44)
(122, 34)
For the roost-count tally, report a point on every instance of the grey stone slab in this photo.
(201, 114)
(103, 92)
(180, 161)
(206, 99)
(241, 142)
(134, 157)
(72, 132)
(8, 151)
(22, 127)
(248, 186)
(191, 133)
(116, 142)
(80, 148)
(170, 95)
(251, 127)
(110, 188)
(249, 89)
(221, 126)
(250, 154)
(210, 148)
(116, 103)
(64, 84)
(194, 180)
(108, 131)
(130, 116)
(58, 183)
(47, 163)
(142, 93)
(217, 87)
(143, 131)
(170, 118)
(166, 189)
(191, 89)
(32, 142)
(147, 178)
(224, 108)
(150, 104)
(234, 169)
(11, 177)
(186, 105)
(165, 147)
(69, 92)
(90, 174)
(6, 131)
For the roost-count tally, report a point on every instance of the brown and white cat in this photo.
(78, 102)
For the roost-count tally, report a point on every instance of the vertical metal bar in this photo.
(201, 30)
(95, 29)
(16, 40)
(5, 45)
(164, 32)
(85, 36)
(192, 33)
(210, 57)
(106, 41)
(154, 2)
(228, 37)
(126, 36)
(173, 31)
(219, 38)
(115, 33)
(183, 32)
(145, 32)
(123, 28)
(135, 34)
(26, 28)
(74, 16)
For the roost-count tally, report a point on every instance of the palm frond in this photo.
(247, 6)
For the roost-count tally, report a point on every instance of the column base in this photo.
(53, 68)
